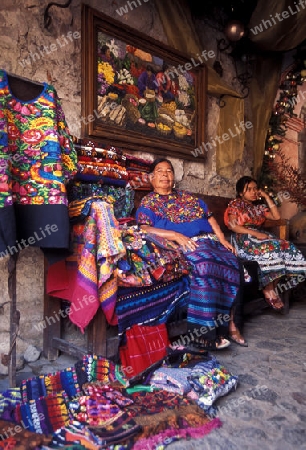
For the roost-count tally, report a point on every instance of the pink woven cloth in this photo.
(88, 279)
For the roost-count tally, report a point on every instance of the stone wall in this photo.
(40, 54)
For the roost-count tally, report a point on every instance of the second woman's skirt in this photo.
(276, 258)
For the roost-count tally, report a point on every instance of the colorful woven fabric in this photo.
(102, 169)
(92, 178)
(275, 257)
(94, 410)
(92, 149)
(36, 148)
(114, 394)
(14, 436)
(99, 368)
(139, 180)
(214, 283)
(211, 380)
(119, 430)
(80, 209)
(11, 397)
(149, 258)
(172, 379)
(40, 386)
(116, 433)
(8, 401)
(88, 279)
(44, 415)
(135, 162)
(150, 403)
(150, 304)
(138, 170)
(173, 428)
(96, 264)
(179, 210)
(37, 158)
(144, 346)
(167, 417)
(123, 197)
(100, 404)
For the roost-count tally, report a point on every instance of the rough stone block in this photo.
(31, 354)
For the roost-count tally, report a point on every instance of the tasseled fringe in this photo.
(166, 437)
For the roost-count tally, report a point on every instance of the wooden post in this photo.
(14, 318)
(52, 326)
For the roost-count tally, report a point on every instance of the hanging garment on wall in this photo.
(37, 157)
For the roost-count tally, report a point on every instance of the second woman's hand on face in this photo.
(262, 194)
(187, 244)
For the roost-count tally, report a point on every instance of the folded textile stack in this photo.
(149, 259)
(79, 192)
(15, 436)
(52, 383)
(99, 164)
(102, 173)
(90, 405)
(138, 170)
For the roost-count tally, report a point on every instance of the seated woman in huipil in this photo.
(185, 220)
(276, 258)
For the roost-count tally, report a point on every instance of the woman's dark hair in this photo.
(160, 160)
(104, 48)
(150, 68)
(242, 183)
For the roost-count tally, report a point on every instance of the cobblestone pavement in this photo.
(268, 409)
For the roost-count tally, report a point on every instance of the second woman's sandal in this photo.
(275, 303)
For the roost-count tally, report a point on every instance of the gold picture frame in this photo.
(138, 93)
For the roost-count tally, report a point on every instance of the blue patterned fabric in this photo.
(151, 304)
(214, 284)
(42, 385)
(211, 380)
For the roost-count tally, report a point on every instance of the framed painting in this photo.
(137, 93)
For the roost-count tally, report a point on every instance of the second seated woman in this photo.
(184, 219)
(276, 258)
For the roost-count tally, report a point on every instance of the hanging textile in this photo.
(88, 279)
(37, 157)
(138, 170)
(278, 25)
(230, 151)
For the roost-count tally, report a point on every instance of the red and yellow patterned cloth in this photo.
(37, 154)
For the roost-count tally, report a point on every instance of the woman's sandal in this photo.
(206, 344)
(236, 337)
(275, 303)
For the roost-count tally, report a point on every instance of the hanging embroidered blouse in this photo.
(37, 156)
